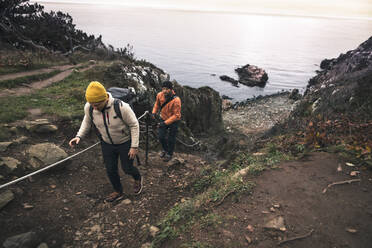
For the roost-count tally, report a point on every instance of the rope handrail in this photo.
(47, 167)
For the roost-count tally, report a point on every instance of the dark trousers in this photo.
(167, 137)
(111, 154)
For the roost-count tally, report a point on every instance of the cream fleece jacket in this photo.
(119, 130)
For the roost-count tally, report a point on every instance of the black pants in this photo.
(169, 142)
(111, 154)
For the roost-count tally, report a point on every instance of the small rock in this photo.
(250, 228)
(126, 202)
(43, 245)
(228, 234)
(10, 163)
(354, 173)
(276, 223)
(28, 239)
(20, 140)
(276, 205)
(272, 209)
(27, 206)
(115, 243)
(248, 239)
(95, 228)
(4, 146)
(349, 164)
(5, 198)
(153, 231)
(146, 245)
(258, 154)
(351, 230)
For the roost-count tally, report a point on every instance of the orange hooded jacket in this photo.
(170, 112)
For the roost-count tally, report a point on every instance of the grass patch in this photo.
(65, 99)
(12, 83)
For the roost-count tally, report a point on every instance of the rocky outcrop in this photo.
(252, 75)
(201, 108)
(344, 85)
(345, 66)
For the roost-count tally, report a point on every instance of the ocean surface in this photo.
(195, 48)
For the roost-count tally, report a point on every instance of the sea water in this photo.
(197, 47)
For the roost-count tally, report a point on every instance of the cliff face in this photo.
(344, 86)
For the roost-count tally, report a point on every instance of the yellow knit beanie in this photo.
(95, 92)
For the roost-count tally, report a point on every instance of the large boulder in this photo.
(44, 154)
(201, 108)
(252, 75)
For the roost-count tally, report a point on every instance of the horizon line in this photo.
(183, 9)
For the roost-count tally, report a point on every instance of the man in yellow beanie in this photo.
(119, 136)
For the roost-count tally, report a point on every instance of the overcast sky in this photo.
(346, 8)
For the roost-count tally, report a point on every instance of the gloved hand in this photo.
(162, 124)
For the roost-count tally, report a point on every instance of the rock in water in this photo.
(252, 75)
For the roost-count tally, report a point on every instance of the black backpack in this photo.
(119, 94)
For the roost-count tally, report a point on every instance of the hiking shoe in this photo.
(138, 185)
(162, 154)
(114, 196)
(167, 158)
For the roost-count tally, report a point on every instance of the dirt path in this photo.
(35, 72)
(19, 91)
(341, 217)
(68, 208)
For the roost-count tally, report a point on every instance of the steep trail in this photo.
(19, 91)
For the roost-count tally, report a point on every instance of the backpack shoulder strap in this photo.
(92, 123)
(117, 104)
(167, 101)
(91, 113)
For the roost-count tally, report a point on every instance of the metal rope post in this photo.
(147, 137)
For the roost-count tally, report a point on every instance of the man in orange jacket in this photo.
(169, 106)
